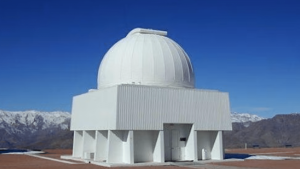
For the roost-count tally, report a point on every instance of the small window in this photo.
(182, 139)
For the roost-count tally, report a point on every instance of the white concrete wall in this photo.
(78, 144)
(89, 143)
(159, 150)
(204, 142)
(217, 148)
(147, 108)
(120, 147)
(144, 144)
(191, 146)
(128, 149)
(95, 110)
(115, 146)
(212, 142)
(101, 150)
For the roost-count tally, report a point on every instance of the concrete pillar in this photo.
(128, 149)
(217, 148)
(77, 144)
(159, 149)
(89, 144)
(101, 146)
(191, 152)
(115, 147)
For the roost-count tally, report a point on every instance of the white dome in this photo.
(146, 57)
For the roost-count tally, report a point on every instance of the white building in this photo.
(146, 108)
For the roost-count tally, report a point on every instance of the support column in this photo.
(159, 149)
(192, 146)
(89, 144)
(217, 148)
(115, 147)
(101, 146)
(78, 144)
(128, 149)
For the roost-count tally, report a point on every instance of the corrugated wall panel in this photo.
(147, 108)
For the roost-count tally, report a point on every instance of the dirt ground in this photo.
(28, 162)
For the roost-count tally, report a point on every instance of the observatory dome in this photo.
(146, 57)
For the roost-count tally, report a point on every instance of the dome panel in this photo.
(146, 57)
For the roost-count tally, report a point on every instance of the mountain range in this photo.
(40, 130)
(279, 131)
(27, 129)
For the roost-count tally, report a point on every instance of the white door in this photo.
(175, 149)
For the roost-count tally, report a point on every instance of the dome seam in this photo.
(173, 63)
(184, 60)
(189, 64)
(136, 38)
(178, 56)
(122, 60)
(162, 56)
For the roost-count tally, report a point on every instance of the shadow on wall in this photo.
(237, 156)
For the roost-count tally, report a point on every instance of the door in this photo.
(175, 149)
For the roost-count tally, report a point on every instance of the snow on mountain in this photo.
(17, 121)
(31, 120)
(244, 117)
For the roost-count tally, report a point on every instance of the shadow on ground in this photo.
(4, 151)
(236, 156)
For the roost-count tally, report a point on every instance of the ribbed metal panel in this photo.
(148, 108)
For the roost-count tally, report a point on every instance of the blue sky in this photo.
(51, 50)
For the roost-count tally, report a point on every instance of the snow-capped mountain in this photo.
(34, 129)
(37, 120)
(244, 117)
(19, 121)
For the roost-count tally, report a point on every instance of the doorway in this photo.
(175, 137)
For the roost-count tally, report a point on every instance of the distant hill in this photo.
(41, 130)
(278, 131)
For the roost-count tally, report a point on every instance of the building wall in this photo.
(148, 108)
(115, 146)
(78, 144)
(121, 146)
(144, 144)
(211, 142)
(89, 143)
(95, 110)
(136, 107)
(101, 146)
